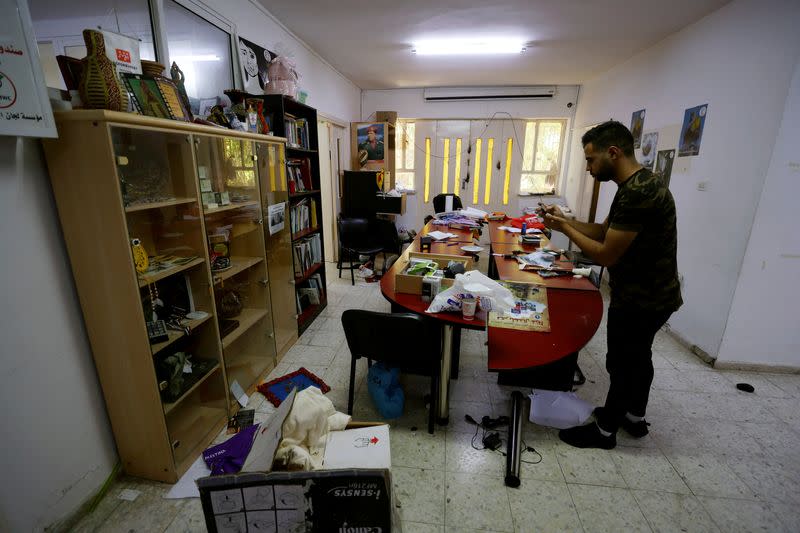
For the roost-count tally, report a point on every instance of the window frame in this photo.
(401, 154)
(559, 159)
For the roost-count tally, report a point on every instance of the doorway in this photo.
(332, 141)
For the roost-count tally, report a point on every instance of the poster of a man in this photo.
(370, 144)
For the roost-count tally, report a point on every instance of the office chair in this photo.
(355, 240)
(440, 200)
(376, 336)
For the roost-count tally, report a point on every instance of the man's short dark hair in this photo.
(607, 134)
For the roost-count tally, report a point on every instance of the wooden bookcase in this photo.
(300, 185)
(120, 176)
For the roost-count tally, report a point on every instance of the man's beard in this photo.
(606, 173)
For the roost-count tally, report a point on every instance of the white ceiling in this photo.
(571, 41)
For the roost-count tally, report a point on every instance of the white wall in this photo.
(57, 439)
(328, 91)
(739, 60)
(762, 327)
(410, 103)
(57, 443)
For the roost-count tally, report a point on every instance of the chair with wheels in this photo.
(375, 335)
(355, 240)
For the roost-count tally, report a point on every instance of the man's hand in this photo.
(553, 209)
(555, 222)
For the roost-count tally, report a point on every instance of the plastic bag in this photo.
(283, 76)
(558, 409)
(473, 284)
(384, 388)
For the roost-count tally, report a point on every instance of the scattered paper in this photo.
(186, 486)
(129, 495)
(510, 229)
(439, 235)
(473, 213)
(358, 448)
(239, 394)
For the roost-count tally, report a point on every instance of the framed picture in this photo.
(146, 95)
(370, 148)
(172, 97)
(71, 70)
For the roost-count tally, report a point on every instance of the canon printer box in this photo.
(355, 495)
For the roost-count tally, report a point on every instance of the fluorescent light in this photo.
(197, 58)
(469, 47)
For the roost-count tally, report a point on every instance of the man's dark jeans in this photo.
(629, 363)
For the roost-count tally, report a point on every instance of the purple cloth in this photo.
(228, 457)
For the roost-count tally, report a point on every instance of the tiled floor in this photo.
(716, 459)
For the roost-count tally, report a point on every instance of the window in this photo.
(59, 29)
(201, 50)
(239, 154)
(404, 156)
(541, 156)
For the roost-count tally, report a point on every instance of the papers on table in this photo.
(440, 235)
(538, 258)
(473, 213)
(512, 229)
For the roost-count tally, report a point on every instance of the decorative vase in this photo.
(100, 87)
(152, 68)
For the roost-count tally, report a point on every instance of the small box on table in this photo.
(413, 284)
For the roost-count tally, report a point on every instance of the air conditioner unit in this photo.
(439, 94)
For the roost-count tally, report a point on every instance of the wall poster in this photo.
(370, 138)
(649, 143)
(664, 162)
(637, 125)
(694, 120)
(253, 62)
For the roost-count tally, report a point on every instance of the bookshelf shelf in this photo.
(230, 207)
(299, 150)
(145, 279)
(308, 273)
(304, 233)
(159, 205)
(175, 335)
(192, 386)
(238, 264)
(304, 194)
(247, 318)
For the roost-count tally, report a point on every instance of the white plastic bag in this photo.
(473, 284)
(492, 296)
(558, 409)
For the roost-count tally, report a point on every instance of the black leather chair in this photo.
(440, 200)
(375, 336)
(357, 239)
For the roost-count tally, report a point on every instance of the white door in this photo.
(325, 180)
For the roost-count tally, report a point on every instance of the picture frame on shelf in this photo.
(146, 95)
(172, 98)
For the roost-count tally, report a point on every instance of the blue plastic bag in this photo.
(383, 384)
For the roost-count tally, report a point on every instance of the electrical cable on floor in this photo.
(495, 423)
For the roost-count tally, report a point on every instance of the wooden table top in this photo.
(501, 236)
(508, 269)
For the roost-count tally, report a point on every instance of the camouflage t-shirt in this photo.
(646, 276)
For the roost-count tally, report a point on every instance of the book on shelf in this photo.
(297, 134)
(307, 253)
(300, 213)
(313, 208)
(313, 294)
(299, 175)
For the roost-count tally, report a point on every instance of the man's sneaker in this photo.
(634, 429)
(364, 272)
(587, 436)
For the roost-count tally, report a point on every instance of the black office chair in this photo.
(376, 336)
(355, 240)
(439, 202)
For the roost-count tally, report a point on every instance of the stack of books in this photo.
(310, 295)
(304, 215)
(307, 253)
(299, 173)
(296, 131)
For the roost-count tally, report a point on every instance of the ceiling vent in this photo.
(444, 94)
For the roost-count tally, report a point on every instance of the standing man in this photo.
(638, 244)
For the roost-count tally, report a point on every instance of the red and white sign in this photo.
(123, 51)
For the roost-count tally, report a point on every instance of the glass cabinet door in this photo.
(234, 226)
(275, 197)
(162, 213)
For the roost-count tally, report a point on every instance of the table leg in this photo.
(513, 452)
(444, 378)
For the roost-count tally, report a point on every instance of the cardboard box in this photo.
(386, 116)
(258, 499)
(413, 284)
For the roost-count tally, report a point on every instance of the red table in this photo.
(575, 308)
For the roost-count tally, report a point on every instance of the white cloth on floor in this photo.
(306, 429)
